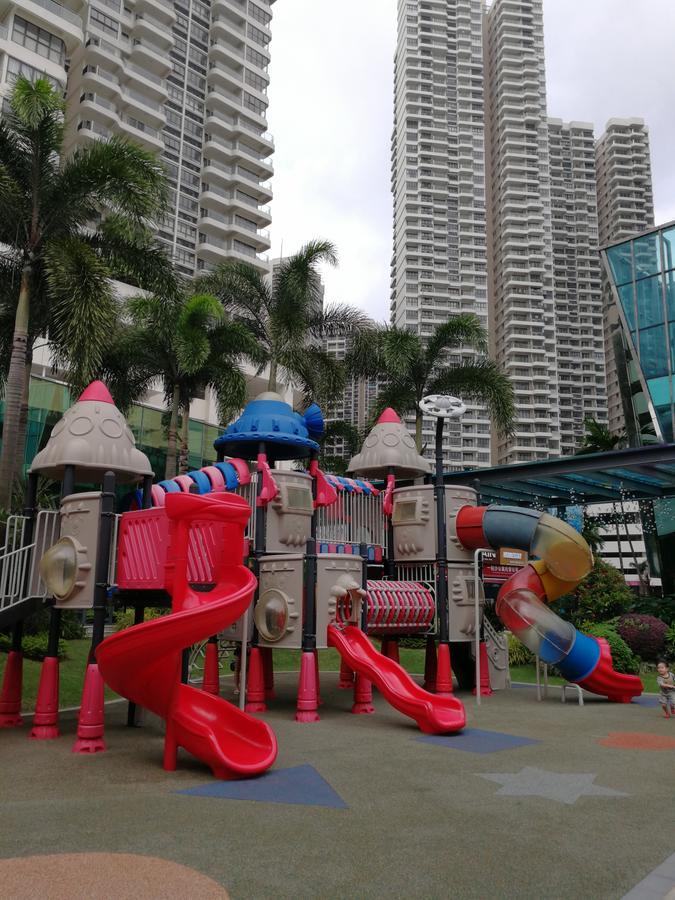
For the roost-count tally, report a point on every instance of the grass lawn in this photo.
(72, 671)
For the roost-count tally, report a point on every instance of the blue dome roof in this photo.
(267, 418)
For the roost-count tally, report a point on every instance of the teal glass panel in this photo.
(670, 295)
(649, 302)
(669, 248)
(195, 445)
(663, 414)
(659, 390)
(621, 263)
(671, 335)
(653, 353)
(135, 421)
(647, 252)
(209, 453)
(626, 298)
(153, 440)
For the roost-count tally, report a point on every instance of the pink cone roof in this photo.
(389, 445)
(93, 436)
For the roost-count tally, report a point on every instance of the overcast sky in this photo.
(331, 99)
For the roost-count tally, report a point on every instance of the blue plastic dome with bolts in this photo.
(269, 419)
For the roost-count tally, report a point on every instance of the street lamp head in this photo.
(442, 406)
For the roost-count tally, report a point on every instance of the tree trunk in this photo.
(14, 391)
(170, 467)
(272, 380)
(184, 443)
(23, 417)
(418, 430)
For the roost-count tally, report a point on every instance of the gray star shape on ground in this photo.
(560, 786)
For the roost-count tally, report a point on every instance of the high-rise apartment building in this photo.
(519, 226)
(184, 78)
(625, 208)
(439, 264)
(576, 280)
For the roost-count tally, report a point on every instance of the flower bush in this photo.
(645, 635)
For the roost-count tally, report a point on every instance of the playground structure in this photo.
(330, 562)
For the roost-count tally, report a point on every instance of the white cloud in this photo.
(331, 113)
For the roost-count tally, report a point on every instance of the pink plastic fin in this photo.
(269, 486)
(388, 502)
(325, 492)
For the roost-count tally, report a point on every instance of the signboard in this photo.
(509, 556)
(493, 572)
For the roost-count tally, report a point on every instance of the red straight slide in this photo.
(142, 663)
(434, 715)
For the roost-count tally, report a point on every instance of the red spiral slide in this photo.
(434, 715)
(142, 663)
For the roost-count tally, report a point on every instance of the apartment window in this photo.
(187, 204)
(252, 103)
(194, 80)
(15, 68)
(183, 256)
(105, 23)
(191, 153)
(186, 230)
(199, 34)
(192, 128)
(257, 36)
(38, 40)
(241, 247)
(259, 14)
(256, 81)
(258, 59)
(245, 223)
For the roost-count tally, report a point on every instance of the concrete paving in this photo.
(560, 815)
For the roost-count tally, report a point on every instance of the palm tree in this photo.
(413, 368)
(286, 316)
(188, 343)
(67, 226)
(598, 438)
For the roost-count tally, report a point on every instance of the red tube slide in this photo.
(142, 663)
(434, 715)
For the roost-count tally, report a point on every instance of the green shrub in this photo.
(123, 618)
(413, 642)
(622, 657)
(669, 645)
(34, 646)
(660, 607)
(602, 595)
(519, 655)
(71, 625)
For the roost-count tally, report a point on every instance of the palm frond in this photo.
(338, 319)
(465, 328)
(199, 315)
(481, 382)
(83, 313)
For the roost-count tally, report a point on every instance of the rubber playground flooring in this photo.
(536, 799)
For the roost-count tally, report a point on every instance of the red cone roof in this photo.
(96, 391)
(389, 417)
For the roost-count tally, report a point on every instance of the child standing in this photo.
(666, 683)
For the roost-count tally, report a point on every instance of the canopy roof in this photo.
(638, 473)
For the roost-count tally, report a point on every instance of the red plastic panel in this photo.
(143, 550)
(394, 608)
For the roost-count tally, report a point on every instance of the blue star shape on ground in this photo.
(563, 787)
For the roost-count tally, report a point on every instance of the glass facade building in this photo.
(642, 276)
(49, 399)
